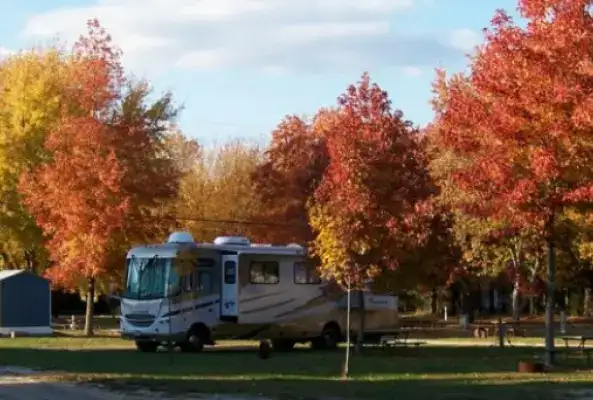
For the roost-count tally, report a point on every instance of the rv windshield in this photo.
(147, 278)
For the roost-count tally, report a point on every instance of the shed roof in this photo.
(10, 272)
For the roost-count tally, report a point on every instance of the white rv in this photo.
(191, 294)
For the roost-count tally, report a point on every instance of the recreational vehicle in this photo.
(190, 294)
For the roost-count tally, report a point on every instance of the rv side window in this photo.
(204, 282)
(264, 272)
(230, 273)
(199, 279)
(188, 282)
(305, 273)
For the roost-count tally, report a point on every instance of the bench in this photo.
(511, 330)
(581, 349)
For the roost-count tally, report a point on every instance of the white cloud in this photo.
(267, 35)
(412, 71)
(204, 59)
(464, 39)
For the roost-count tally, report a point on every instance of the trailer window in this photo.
(264, 272)
(305, 273)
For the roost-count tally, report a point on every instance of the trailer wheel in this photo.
(196, 338)
(282, 344)
(146, 346)
(329, 339)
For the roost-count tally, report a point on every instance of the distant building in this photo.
(25, 303)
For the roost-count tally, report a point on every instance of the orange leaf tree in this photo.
(371, 206)
(77, 197)
(287, 178)
(518, 126)
(152, 173)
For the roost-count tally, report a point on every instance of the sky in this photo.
(239, 66)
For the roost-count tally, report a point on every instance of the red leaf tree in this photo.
(77, 198)
(371, 207)
(294, 164)
(519, 124)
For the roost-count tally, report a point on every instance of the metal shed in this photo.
(25, 303)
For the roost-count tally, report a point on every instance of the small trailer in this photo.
(191, 294)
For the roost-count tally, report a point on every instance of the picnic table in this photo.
(399, 338)
(509, 328)
(581, 345)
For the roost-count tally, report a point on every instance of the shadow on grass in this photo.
(416, 388)
(70, 335)
(428, 373)
(232, 361)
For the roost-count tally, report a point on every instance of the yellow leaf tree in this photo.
(216, 190)
(32, 86)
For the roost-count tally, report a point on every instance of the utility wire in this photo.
(174, 218)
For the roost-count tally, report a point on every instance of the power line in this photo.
(174, 218)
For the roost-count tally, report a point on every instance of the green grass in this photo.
(532, 341)
(431, 373)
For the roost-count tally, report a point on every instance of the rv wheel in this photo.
(330, 336)
(146, 346)
(195, 340)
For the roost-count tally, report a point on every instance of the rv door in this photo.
(229, 304)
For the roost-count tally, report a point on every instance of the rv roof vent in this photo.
(180, 237)
(294, 245)
(232, 241)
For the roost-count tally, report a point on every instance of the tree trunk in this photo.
(90, 308)
(587, 303)
(31, 261)
(550, 303)
(361, 309)
(6, 260)
(516, 303)
(434, 302)
(346, 367)
(516, 296)
(532, 305)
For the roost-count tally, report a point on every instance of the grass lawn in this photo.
(455, 373)
(519, 341)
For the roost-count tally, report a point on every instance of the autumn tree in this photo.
(437, 262)
(216, 196)
(287, 177)
(185, 152)
(519, 123)
(142, 124)
(430, 267)
(369, 209)
(31, 84)
(575, 234)
(107, 167)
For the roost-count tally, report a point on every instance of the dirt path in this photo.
(24, 384)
